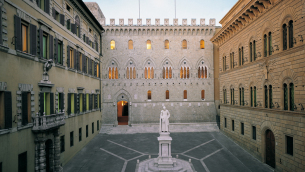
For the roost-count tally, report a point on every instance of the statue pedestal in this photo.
(165, 152)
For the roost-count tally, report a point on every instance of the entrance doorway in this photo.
(122, 113)
(49, 155)
(270, 148)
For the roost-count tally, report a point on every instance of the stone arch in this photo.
(181, 63)
(152, 63)
(267, 125)
(287, 15)
(109, 63)
(118, 96)
(267, 27)
(288, 74)
(252, 81)
(269, 81)
(127, 63)
(169, 61)
(206, 63)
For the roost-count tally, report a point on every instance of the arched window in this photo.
(112, 45)
(148, 44)
(184, 71)
(184, 44)
(284, 37)
(130, 44)
(268, 96)
(167, 95)
(290, 34)
(254, 50)
(166, 44)
(131, 70)
(127, 73)
(113, 73)
(202, 95)
(185, 94)
(149, 95)
(232, 96)
(224, 96)
(289, 96)
(270, 43)
(202, 70)
(77, 23)
(241, 56)
(202, 44)
(265, 46)
(149, 72)
(251, 52)
(241, 96)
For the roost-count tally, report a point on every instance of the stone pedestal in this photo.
(165, 152)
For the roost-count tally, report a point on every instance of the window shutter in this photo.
(77, 60)
(18, 33)
(33, 39)
(53, 13)
(90, 101)
(51, 55)
(95, 69)
(47, 6)
(69, 103)
(75, 104)
(41, 43)
(24, 103)
(8, 109)
(89, 66)
(62, 107)
(75, 63)
(1, 40)
(84, 62)
(95, 101)
(73, 28)
(68, 56)
(51, 103)
(55, 50)
(62, 19)
(84, 102)
(41, 103)
(87, 40)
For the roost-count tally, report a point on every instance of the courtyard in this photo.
(208, 151)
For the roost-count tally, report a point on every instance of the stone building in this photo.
(50, 82)
(148, 66)
(261, 78)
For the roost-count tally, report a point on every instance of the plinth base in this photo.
(150, 165)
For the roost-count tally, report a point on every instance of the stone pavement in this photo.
(208, 151)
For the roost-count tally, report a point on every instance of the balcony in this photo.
(48, 122)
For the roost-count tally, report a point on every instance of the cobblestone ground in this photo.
(208, 151)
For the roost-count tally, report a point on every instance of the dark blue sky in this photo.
(164, 9)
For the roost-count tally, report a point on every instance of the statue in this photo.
(164, 122)
(47, 66)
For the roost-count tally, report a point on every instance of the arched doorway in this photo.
(49, 155)
(270, 148)
(122, 113)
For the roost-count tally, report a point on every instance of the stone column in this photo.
(42, 156)
(36, 156)
(56, 151)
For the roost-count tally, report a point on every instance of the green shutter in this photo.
(69, 103)
(291, 89)
(270, 97)
(255, 97)
(285, 97)
(251, 93)
(266, 96)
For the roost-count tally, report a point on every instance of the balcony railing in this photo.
(46, 122)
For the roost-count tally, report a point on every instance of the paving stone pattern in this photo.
(208, 151)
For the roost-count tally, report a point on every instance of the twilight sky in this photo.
(165, 9)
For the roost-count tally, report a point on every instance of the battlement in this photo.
(212, 22)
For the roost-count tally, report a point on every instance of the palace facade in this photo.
(262, 78)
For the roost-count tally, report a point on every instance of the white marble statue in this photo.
(164, 122)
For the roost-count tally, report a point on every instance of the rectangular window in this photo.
(72, 104)
(225, 122)
(22, 162)
(232, 125)
(185, 94)
(87, 102)
(26, 107)
(92, 101)
(97, 125)
(87, 130)
(62, 144)
(80, 62)
(46, 103)
(5, 109)
(289, 145)
(253, 132)
(80, 102)
(242, 129)
(59, 52)
(80, 134)
(92, 127)
(24, 38)
(98, 101)
(44, 46)
(71, 139)
(60, 102)
(71, 58)
(2, 112)
(42, 5)
(167, 95)
(57, 16)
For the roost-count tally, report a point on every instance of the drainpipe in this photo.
(101, 55)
